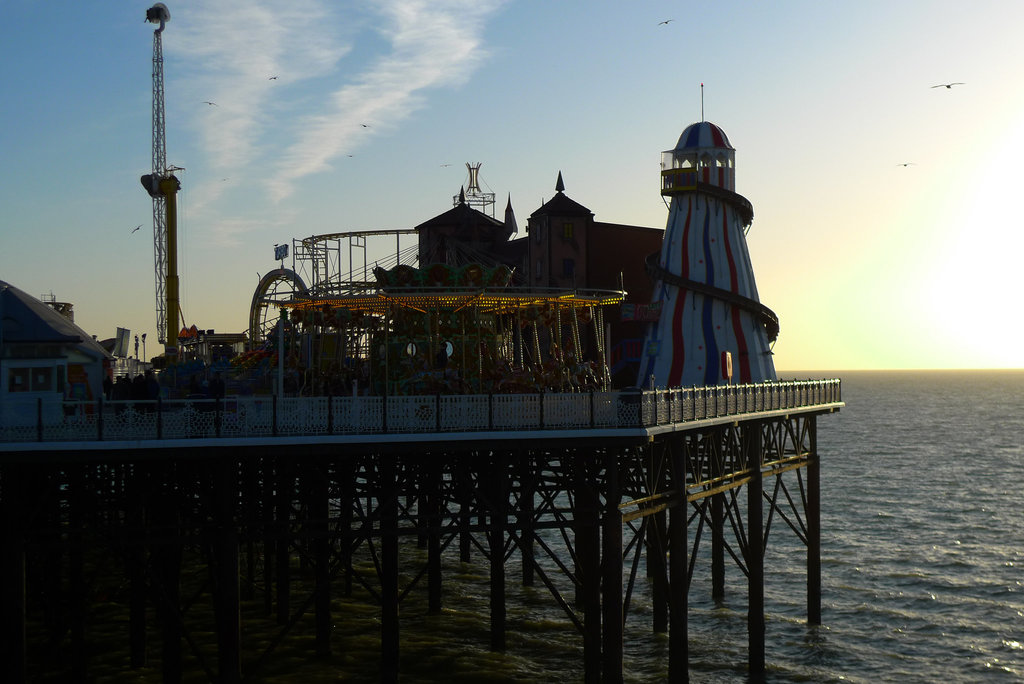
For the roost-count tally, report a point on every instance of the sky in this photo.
(885, 231)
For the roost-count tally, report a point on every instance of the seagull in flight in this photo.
(272, 78)
(212, 104)
(948, 86)
(136, 228)
(665, 22)
(365, 125)
(445, 164)
(906, 164)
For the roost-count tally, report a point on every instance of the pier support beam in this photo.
(588, 564)
(750, 443)
(813, 506)
(657, 541)
(319, 486)
(283, 554)
(229, 657)
(611, 572)
(497, 493)
(78, 504)
(524, 516)
(716, 460)
(166, 557)
(389, 635)
(137, 489)
(679, 581)
(432, 499)
(13, 641)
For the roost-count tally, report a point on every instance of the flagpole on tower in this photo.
(701, 101)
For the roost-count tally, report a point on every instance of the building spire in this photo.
(510, 218)
(559, 185)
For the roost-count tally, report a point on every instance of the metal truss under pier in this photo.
(197, 547)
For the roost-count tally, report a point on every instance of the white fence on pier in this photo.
(263, 416)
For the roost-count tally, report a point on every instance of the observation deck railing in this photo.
(44, 420)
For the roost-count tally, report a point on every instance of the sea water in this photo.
(922, 536)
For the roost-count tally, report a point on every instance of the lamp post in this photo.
(143, 345)
(136, 347)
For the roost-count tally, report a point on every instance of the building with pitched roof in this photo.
(43, 354)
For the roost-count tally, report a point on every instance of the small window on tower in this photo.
(567, 230)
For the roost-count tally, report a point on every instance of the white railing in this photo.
(265, 416)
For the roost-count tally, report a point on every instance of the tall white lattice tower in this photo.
(712, 327)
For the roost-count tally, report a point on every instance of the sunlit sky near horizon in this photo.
(885, 231)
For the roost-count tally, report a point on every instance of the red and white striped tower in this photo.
(712, 328)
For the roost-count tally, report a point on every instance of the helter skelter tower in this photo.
(712, 327)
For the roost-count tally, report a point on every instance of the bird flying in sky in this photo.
(947, 86)
(906, 164)
(665, 22)
(214, 104)
(136, 227)
(272, 78)
(365, 125)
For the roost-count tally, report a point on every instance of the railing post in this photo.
(490, 411)
(592, 408)
(330, 414)
(437, 411)
(542, 410)
(216, 416)
(384, 410)
(39, 419)
(274, 426)
(159, 418)
(99, 419)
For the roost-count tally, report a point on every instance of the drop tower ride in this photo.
(712, 328)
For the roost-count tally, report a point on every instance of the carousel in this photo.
(443, 329)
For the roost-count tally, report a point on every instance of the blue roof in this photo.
(26, 320)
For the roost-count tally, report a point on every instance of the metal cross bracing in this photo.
(199, 548)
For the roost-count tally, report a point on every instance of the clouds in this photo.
(227, 55)
(433, 44)
(338, 65)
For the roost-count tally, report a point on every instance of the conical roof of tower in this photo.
(702, 135)
(561, 204)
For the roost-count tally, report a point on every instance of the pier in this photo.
(199, 510)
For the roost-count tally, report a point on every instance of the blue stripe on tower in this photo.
(693, 139)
